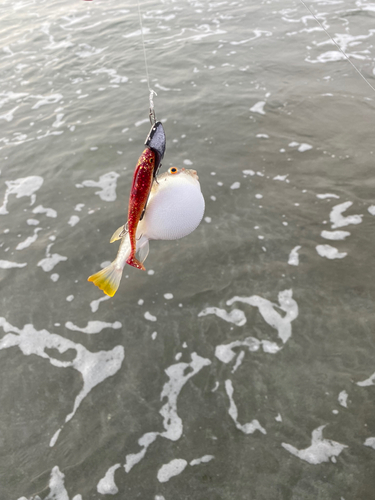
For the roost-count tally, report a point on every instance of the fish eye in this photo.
(173, 170)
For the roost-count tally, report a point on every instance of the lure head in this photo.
(156, 141)
(148, 157)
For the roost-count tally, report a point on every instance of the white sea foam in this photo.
(281, 177)
(334, 235)
(58, 122)
(43, 101)
(171, 469)
(236, 316)
(293, 259)
(267, 309)
(56, 485)
(343, 399)
(74, 219)
(32, 222)
(238, 362)
(93, 326)
(323, 196)
(149, 316)
(330, 252)
(11, 96)
(107, 485)
(25, 186)
(94, 367)
(370, 442)
(304, 147)
(95, 303)
(29, 240)
(338, 220)
(51, 260)
(225, 352)
(7, 264)
(258, 108)
(235, 185)
(50, 212)
(9, 115)
(371, 209)
(57, 488)
(55, 437)
(202, 460)
(107, 184)
(168, 296)
(321, 450)
(178, 375)
(369, 381)
(248, 428)
(248, 172)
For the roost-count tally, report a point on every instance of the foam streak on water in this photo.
(267, 309)
(94, 367)
(171, 421)
(321, 450)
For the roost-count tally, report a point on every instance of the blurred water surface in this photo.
(241, 364)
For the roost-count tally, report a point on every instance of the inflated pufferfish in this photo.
(175, 208)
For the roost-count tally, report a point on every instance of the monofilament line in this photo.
(152, 92)
(340, 49)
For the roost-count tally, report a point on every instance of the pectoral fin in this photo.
(116, 235)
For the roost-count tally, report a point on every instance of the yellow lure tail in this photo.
(108, 279)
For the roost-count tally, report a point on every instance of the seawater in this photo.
(241, 364)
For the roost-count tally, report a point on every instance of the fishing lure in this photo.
(144, 175)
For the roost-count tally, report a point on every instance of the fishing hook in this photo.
(125, 230)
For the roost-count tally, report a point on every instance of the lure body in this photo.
(140, 190)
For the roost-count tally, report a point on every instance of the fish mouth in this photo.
(191, 172)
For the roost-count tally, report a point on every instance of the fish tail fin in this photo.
(108, 279)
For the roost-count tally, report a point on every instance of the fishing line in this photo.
(340, 49)
(152, 92)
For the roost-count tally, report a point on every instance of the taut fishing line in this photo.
(340, 49)
(152, 92)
